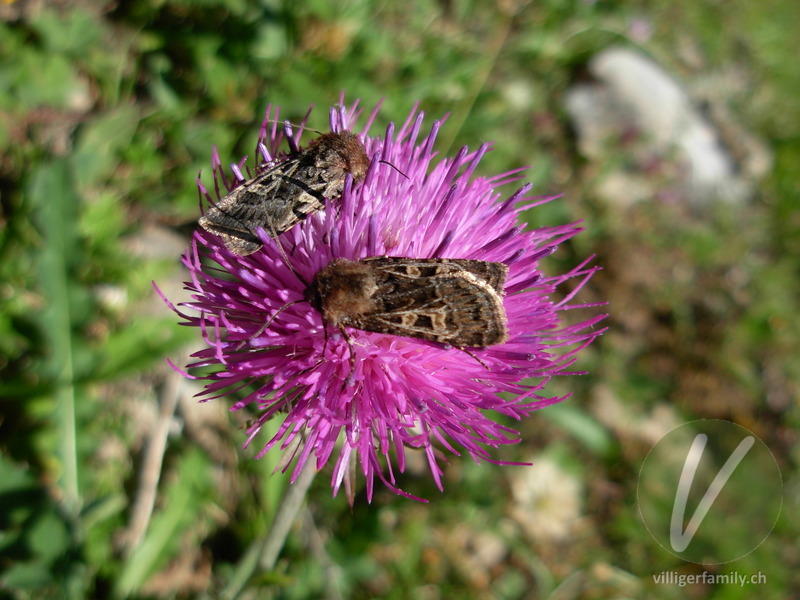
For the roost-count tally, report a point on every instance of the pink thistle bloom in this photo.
(404, 393)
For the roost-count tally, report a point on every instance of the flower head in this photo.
(364, 410)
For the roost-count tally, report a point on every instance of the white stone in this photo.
(636, 114)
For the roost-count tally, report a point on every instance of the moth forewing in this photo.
(473, 314)
(493, 273)
(450, 301)
(287, 192)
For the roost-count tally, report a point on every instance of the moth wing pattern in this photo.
(493, 273)
(449, 301)
(255, 203)
(287, 192)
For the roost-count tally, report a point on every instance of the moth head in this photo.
(354, 155)
(342, 290)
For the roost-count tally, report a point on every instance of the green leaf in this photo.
(53, 196)
(101, 143)
(37, 79)
(586, 429)
(73, 32)
(35, 535)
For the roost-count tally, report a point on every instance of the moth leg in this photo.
(483, 364)
(349, 340)
(325, 343)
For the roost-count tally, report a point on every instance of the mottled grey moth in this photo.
(450, 301)
(287, 192)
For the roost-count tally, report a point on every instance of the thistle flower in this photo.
(396, 393)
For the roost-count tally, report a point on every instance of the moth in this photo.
(450, 301)
(288, 192)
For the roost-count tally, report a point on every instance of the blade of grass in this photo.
(53, 195)
(490, 56)
(182, 519)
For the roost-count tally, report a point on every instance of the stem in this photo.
(264, 552)
(150, 474)
(285, 516)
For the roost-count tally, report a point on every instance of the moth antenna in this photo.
(386, 162)
(266, 325)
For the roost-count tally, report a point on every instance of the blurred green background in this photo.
(114, 483)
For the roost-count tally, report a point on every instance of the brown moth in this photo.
(287, 192)
(446, 300)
